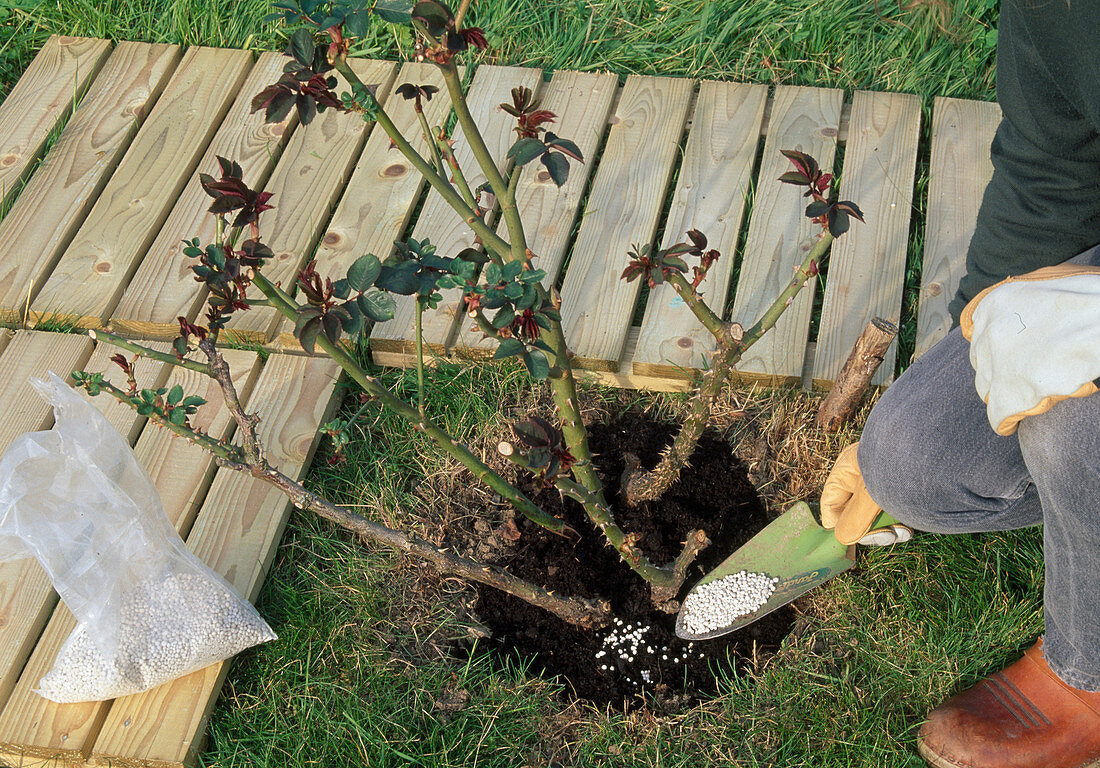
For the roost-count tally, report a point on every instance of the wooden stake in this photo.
(855, 377)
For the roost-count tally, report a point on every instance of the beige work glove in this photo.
(1034, 341)
(848, 509)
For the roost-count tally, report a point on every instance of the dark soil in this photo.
(713, 494)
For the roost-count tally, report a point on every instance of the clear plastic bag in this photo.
(148, 610)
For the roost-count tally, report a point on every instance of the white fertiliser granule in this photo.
(719, 603)
(167, 628)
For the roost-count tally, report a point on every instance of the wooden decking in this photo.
(92, 237)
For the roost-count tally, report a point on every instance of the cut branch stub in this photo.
(854, 378)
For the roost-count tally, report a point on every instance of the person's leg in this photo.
(1062, 451)
(1043, 711)
(929, 457)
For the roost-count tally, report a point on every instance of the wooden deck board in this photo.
(779, 235)
(164, 287)
(89, 279)
(42, 98)
(711, 192)
(33, 728)
(55, 201)
(867, 265)
(306, 184)
(236, 534)
(623, 209)
(959, 172)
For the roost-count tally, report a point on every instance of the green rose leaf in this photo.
(377, 306)
(308, 335)
(510, 348)
(526, 149)
(175, 395)
(394, 11)
(302, 47)
(537, 364)
(363, 272)
(557, 166)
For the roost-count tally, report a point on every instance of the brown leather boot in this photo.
(1022, 717)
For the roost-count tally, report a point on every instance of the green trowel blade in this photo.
(794, 549)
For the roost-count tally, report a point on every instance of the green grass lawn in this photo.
(843, 43)
(359, 675)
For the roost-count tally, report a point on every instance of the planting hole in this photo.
(639, 653)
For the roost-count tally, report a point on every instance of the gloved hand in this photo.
(848, 509)
(1034, 341)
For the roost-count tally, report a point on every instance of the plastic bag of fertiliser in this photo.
(148, 610)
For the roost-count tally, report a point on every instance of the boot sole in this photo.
(939, 761)
(934, 759)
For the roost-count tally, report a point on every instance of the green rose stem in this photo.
(152, 354)
(457, 176)
(562, 382)
(491, 239)
(224, 453)
(590, 614)
(639, 485)
(460, 14)
(504, 192)
(561, 379)
(420, 355)
(438, 158)
(439, 436)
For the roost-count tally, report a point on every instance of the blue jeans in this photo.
(930, 458)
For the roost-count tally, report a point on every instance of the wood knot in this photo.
(284, 256)
(103, 267)
(135, 107)
(935, 289)
(332, 239)
(543, 176)
(685, 342)
(9, 159)
(829, 131)
(395, 170)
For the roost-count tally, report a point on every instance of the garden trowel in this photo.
(795, 550)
